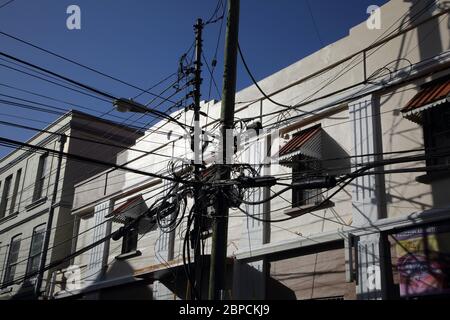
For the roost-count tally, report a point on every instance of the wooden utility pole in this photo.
(197, 149)
(217, 279)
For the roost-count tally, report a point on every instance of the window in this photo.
(15, 191)
(126, 213)
(130, 239)
(5, 196)
(13, 256)
(436, 128)
(40, 177)
(37, 242)
(300, 197)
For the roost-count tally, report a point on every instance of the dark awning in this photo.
(307, 142)
(129, 209)
(431, 95)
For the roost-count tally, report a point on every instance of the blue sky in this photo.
(140, 41)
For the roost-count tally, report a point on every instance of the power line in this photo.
(25, 189)
(151, 132)
(152, 87)
(344, 71)
(255, 82)
(304, 102)
(361, 171)
(80, 251)
(86, 190)
(157, 84)
(366, 155)
(185, 238)
(83, 232)
(37, 72)
(214, 18)
(30, 107)
(10, 124)
(86, 159)
(316, 28)
(141, 140)
(82, 65)
(25, 260)
(6, 3)
(355, 96)
(31, 185)
(60, 261)
(55, 83)
(350, 177)
(59, 100)
(61, 111)
(212, 79)
(79, 84)
(7, 142)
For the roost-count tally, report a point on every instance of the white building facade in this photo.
(29, 179)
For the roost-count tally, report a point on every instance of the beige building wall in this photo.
(392, 61)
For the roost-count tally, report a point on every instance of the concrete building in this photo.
(28, 179)
(377, 95)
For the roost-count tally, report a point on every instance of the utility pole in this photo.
(217, 279)
(38, 283)
(198, 219)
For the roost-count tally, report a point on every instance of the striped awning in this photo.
(128, 209)
(307, 142)
(433, 94)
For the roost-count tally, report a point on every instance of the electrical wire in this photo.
(85, 159)
(26, 276)
(313, 19)
(91, 109)
(337, 76)
(147, 91)
(6, 3)
(81, 85)
(151, 132)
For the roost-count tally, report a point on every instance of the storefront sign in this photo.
(423, 260)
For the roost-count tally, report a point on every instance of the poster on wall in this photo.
(423, 260)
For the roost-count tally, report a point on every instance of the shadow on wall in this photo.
(278, 291)
(177, 284)
(135, 290)
(25, 292)
(249, 282)
(430, 42)
(333, 150)
(142, 289)
(429, 36)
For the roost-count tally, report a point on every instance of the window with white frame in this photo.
(15, 192)
(6, 195)
(37, 241)
(40, 177)
(12, 261)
